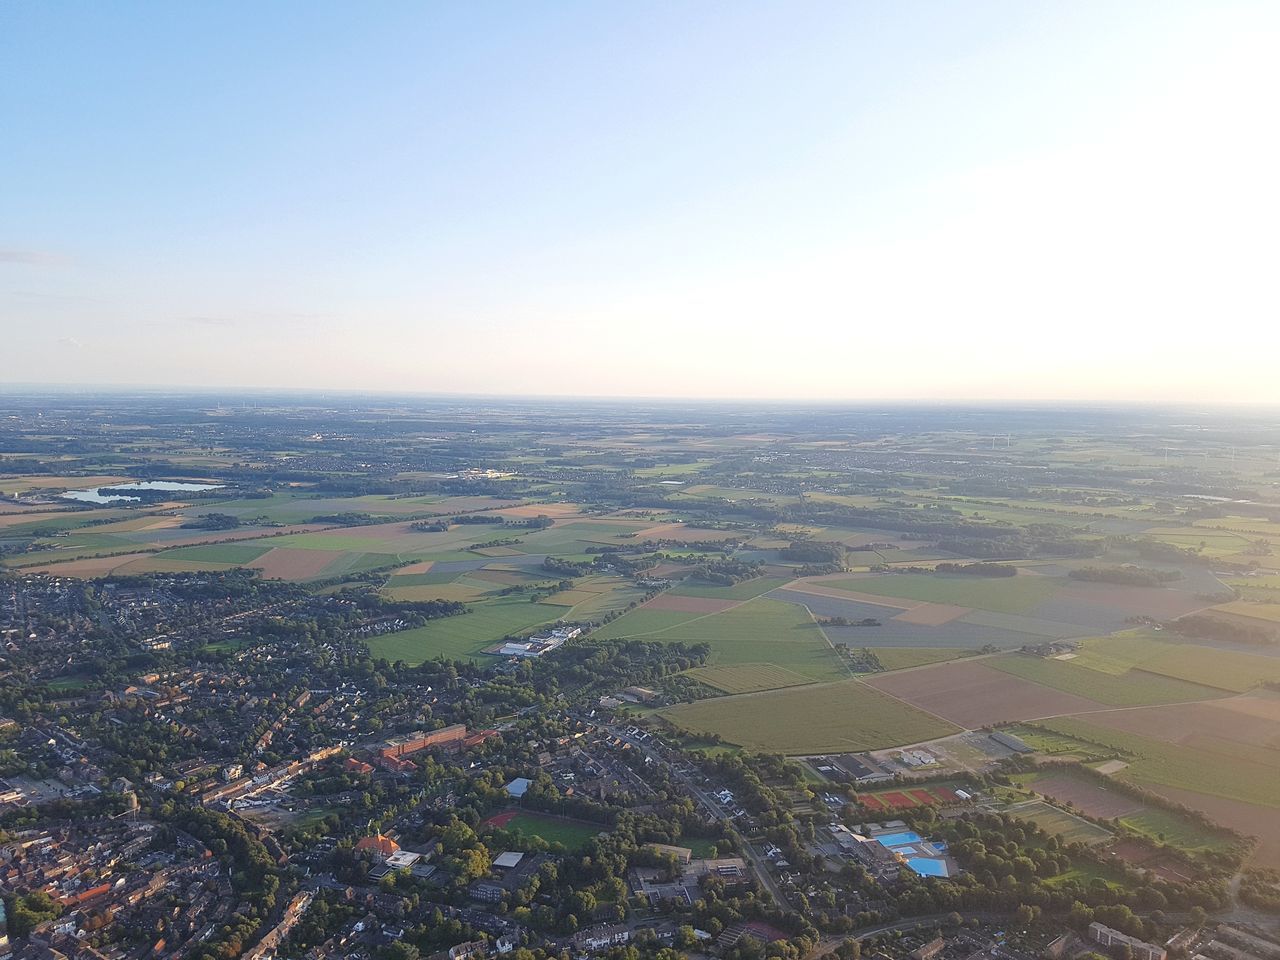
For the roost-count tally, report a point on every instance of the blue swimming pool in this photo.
(899, 839)
(927, 867)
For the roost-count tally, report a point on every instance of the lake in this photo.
(120, 491)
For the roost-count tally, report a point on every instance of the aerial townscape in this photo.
(664, 480)
(386, 678)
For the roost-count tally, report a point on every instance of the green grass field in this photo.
(763, 631)
(901, 658)
(1134, 688)
(1222, 774)
(1066, 825)
(824, 718)
(644, 622)
(465, 636)
(1006, 595)
(746, 590)
(574, 834)
(1178, 831)
(1225, 669)
(759, 631)
(234, 553)
(747, 677)
(1057, 744)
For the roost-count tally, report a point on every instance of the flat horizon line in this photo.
(882, 402)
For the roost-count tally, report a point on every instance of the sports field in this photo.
(464, 637)
(573, 834)
(1068, 826)
(1178, 830)
(821, 718)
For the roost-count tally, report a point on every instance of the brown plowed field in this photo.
(665, 601)
(1252, 719)
(293, 563)
(973, 695)
(1152, 602)
(1089, 798)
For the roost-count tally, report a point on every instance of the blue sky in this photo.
(830, 200)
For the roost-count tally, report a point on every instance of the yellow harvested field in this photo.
(421, 567)
(1254, 611)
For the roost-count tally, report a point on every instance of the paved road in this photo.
(750, 854)
(827, 944)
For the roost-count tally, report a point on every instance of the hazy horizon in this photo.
(825, 202)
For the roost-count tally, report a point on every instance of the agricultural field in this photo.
(464, 637)
(824, 718)
(1020, 594)
(1217, 768)
(746, 590)
(903, 658)
(747, 677)
(1226, 669)
(1251, 609)
(758, 631)
(971, 694)
(1134, 688)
